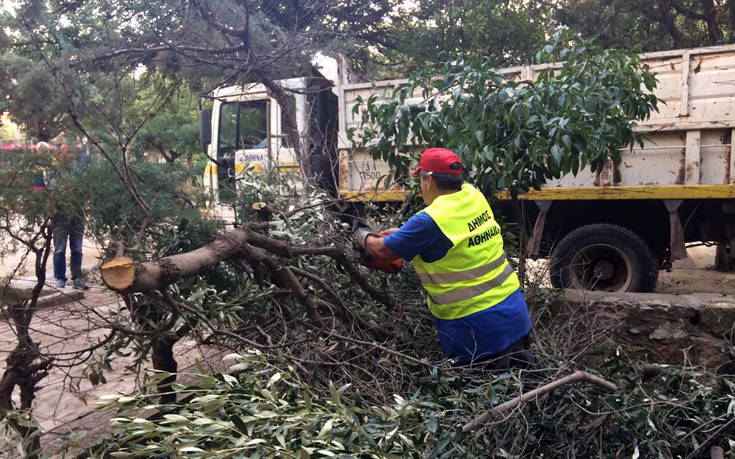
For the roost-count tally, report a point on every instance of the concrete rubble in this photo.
(692, 328)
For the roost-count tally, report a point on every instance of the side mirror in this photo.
(205, 126)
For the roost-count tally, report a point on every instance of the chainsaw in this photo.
(391, 267)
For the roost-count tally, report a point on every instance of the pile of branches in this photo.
(263, 404)
(333, 359)
(330, 358)
(286, 281)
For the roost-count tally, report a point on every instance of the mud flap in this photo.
(534, 244)
(676, 234)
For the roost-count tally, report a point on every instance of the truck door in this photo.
(242, 142)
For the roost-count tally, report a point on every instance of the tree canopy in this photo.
(510, 134)
(655, 24)
(507, 32)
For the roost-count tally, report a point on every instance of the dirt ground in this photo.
(696, 275)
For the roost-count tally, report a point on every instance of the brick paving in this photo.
(66, 403)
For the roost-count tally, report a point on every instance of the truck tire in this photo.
(603, 257)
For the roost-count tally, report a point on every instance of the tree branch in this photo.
(577, 376)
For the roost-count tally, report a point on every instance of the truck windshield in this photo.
(242, 126)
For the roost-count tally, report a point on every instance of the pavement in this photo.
(68, 321)
(66, 403)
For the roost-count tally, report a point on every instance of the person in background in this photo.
(68, 226)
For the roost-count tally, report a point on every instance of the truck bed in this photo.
(688, 153)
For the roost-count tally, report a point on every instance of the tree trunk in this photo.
(288, 108)
(22, 372)
(713, 26)
(123, 274)
(23, 367)
(663, 15)
(162, 356)
(39, 129)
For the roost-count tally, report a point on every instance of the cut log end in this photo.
(119, 273)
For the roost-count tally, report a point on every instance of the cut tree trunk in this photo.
(123, 274)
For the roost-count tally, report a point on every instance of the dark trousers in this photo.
(71, 229)
(517, 355)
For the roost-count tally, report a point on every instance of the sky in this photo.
(8, 5)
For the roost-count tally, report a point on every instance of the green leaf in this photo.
(480, 136)
(326, 428)
(433, 423)
(202, 421)
(177, 418)
(255, 441)
(556, 153)
(274, 379)
(238, 422)
(281, 440)
(441, 446)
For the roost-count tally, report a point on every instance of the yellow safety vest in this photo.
(474, 274)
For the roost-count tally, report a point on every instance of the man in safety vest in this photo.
(456, 247)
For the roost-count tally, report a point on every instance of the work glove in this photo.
(390, 267)
(359, 239)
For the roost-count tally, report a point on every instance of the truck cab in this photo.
(246, 131)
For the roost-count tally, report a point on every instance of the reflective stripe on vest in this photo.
(474, 274)
(468, 274)
(471, 292)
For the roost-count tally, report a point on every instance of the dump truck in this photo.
(612, 230)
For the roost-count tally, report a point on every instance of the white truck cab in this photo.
(247, 131)
(246, 128)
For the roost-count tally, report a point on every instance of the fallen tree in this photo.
(246, 245)
(260, 406)
(251, 251)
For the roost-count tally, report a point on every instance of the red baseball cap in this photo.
(439, 160)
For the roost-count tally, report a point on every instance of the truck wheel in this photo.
(603, 257)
